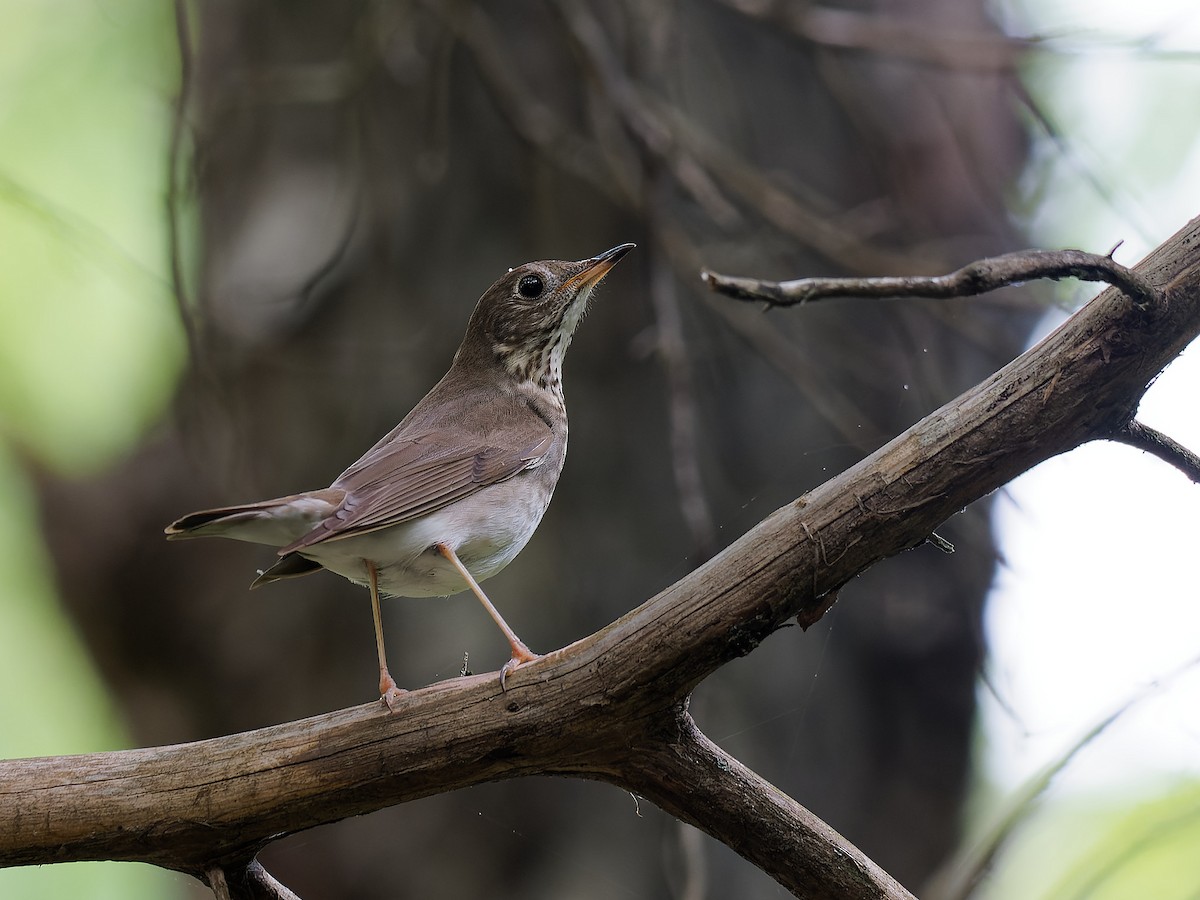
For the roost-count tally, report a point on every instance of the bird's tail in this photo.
(276, 522)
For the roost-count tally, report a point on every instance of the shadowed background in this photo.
(354, 175)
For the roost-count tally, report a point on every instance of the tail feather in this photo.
(189, 525)
(277, 522)
(291, 566)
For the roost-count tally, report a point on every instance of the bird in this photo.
(452, 494)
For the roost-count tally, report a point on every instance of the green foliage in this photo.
(90, 345)
(89, 335)
(1090, 848)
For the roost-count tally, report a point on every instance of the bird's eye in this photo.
(530, 287)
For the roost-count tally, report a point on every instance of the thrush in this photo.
(454, 492)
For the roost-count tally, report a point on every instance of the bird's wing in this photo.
(414, 476)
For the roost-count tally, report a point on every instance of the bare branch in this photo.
(215, 876)
(682, 411)
(533, 121)
(1170, 451)
(706, 169)
(822, 391)
(960, 876)
(692, 778)
(255, 883)
(892, 36)
(183, 37)
(245, 881)
(908, 38)
(971, 280)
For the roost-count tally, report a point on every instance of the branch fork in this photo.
(612, 707)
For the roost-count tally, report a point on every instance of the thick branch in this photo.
(692, 778)
(607, 706)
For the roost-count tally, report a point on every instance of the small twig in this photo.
(683, 414)
(892, 37)
(820, 387)
(623, 99)
(245, 881)
(936, 540)
(217, 883)
(977, 278)
(961, 875)
(1101, 868)
(532, 121)
(694, 875)
(1072, 155)
(710, 171)
(1170, 451)
(261, 885)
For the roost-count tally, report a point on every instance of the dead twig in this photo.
(971, 280)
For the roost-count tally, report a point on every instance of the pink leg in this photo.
(388, 689)
(520, 653)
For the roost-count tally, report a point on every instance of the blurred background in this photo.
(239, 241)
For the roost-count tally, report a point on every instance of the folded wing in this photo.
(417, 475)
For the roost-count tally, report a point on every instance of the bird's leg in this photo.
(520, 653)
(388, 689)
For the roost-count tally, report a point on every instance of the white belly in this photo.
(486, 531)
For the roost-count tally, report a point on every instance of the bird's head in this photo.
(526, 319)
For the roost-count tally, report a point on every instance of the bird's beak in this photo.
(597, 267)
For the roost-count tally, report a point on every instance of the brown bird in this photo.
(450, 496)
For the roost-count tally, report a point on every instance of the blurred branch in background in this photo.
(963, 873)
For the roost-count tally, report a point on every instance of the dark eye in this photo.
(530, 287)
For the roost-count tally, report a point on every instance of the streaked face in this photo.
(531, 313)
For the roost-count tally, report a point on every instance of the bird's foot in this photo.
(521, 655)
(393, 698)
(390, 693)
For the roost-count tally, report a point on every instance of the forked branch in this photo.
(612, 706)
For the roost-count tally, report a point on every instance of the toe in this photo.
(393, 697)
(521, 656)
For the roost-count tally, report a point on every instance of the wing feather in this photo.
(414, 476)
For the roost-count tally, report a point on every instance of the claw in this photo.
(393, 698)
(521, 655)
(390, 693)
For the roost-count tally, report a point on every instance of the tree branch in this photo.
(253, 882)
(172, 194)
(1170, 451)
(608, 707)
(690, 777)
(892, 36)
(976, 278)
